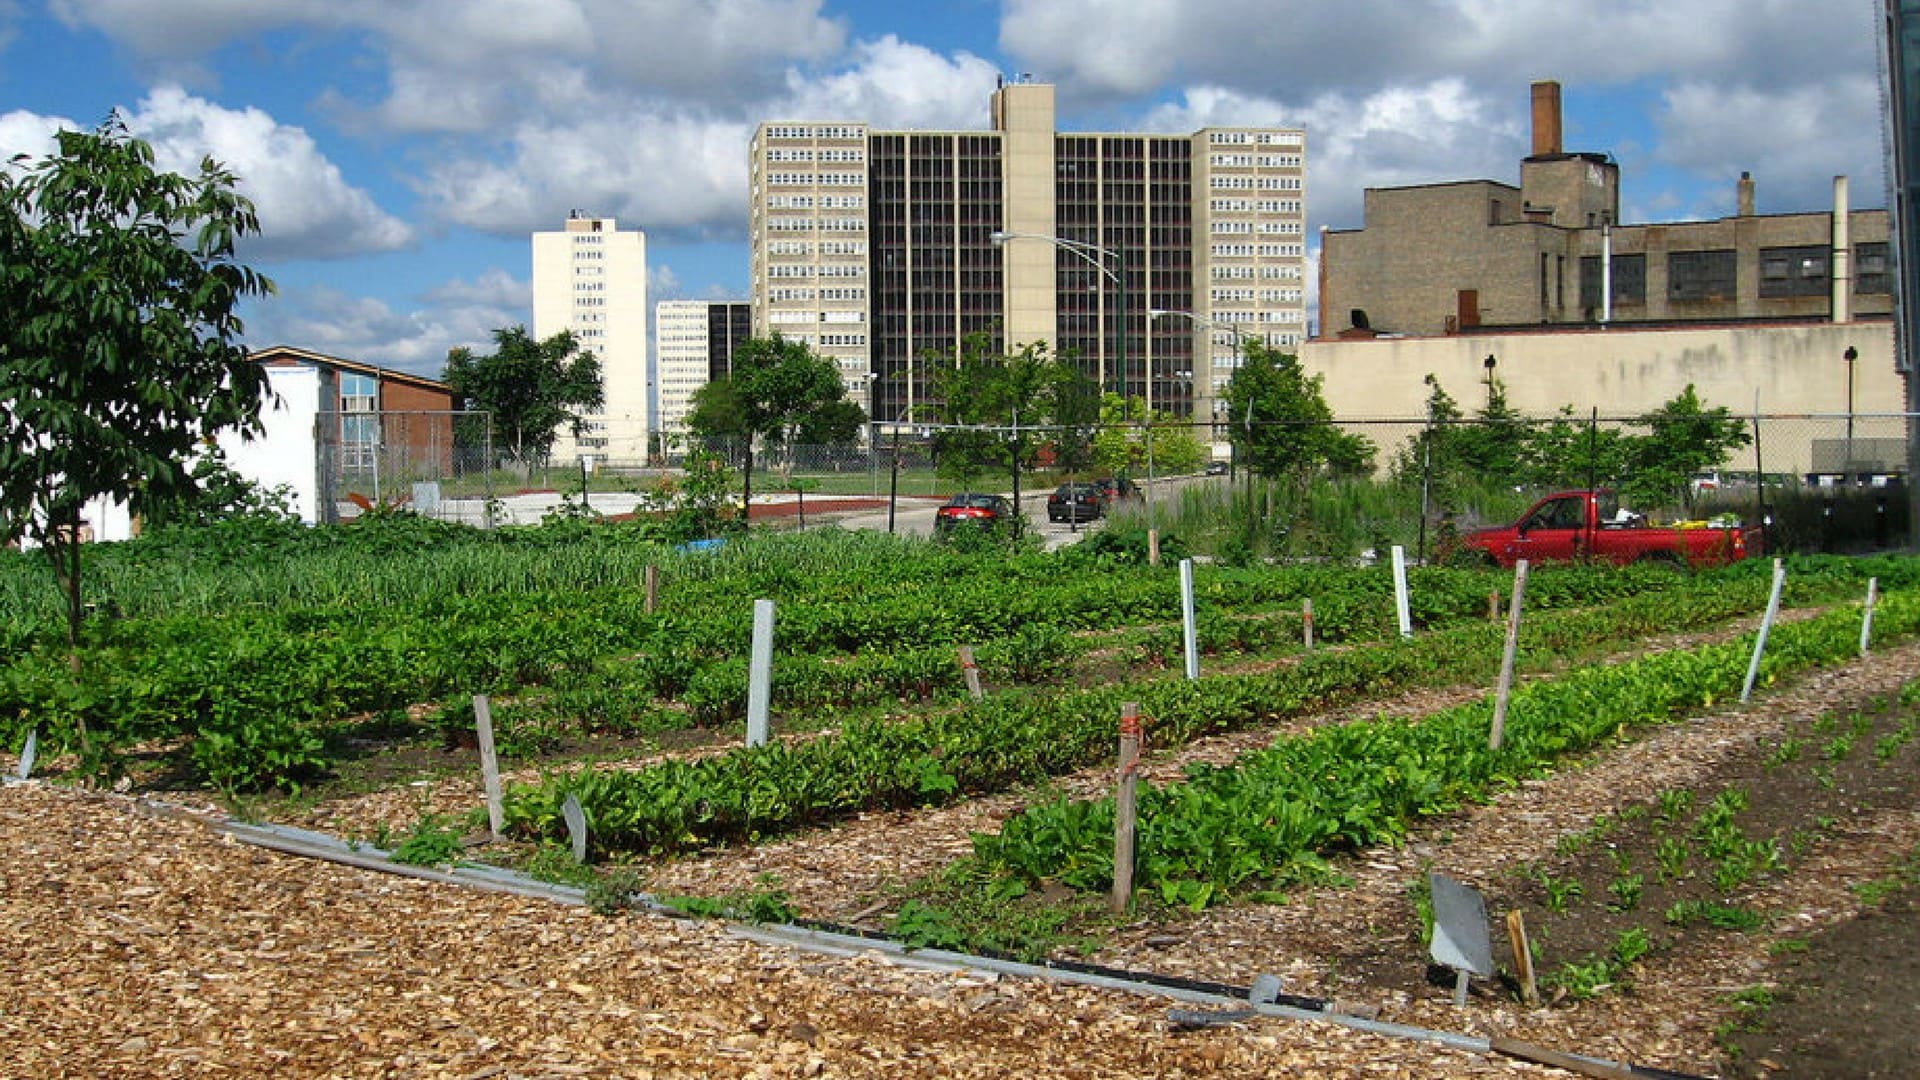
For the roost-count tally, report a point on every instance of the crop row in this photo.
(1359, 784)
(1010, 739)
(265, 679)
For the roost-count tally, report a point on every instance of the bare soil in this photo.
(146, 946)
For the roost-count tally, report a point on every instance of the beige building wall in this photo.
(591, 278)
(680, 345)
(808, 240)
(1774, 369)
(1023, 114)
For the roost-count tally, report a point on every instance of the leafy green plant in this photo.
(1625, 890)
(430, 843)
(1560, 891)
(1630, 945)
(613, 892)
(1686, 913)
(1671, 852)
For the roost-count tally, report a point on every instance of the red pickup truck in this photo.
(1590, 525)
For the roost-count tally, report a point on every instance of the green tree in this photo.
(1134, 440)
(119, 338)
(529, 389)
(1001, 406)
(1280, 422)
(774, 390)
(1683, 438)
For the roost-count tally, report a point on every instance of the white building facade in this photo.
(681, 346)
(591, 278)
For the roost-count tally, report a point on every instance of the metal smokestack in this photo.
(1842, 255)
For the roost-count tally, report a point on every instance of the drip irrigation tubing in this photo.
(1226, 1003)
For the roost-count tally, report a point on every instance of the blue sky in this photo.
(400, 152)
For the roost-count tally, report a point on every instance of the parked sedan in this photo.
(1076, 502)
(971, 510)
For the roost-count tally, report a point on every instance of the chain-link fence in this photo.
(1819, 478)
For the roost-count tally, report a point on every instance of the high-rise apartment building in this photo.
(884, 250)
(693, 344)
(591, 278)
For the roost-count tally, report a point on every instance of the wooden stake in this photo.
(653, 588)
(1124, 807)
(1306, 621)
(971, 670)
(1505, 689)
(1153, 547)
(489, 765)
(1522, 956)
(1493, 606)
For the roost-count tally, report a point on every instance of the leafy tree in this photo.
(1683, 438)
(119, 350)
(1000, 406)
(222, 495)
(530, 389)
(1122, 446)
(1280, 422)
(775, 389)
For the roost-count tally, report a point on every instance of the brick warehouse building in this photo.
(1478, 254)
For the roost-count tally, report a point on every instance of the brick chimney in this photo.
(1546, 118)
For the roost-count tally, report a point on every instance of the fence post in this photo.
(489, 764)
(1766, 627)
(653, 587)
(760, 675)
(1505, 689)
(1124, 807)
(1306, 622)
(1153, 547)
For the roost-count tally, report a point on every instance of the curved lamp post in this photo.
(1095, 256)
(1238, 337)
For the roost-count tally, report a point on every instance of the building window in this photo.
(1793, 271)
(1871, 270)
(1700, 275)
(1629, 281)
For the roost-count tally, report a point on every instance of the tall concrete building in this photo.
(693, 342)
(591, 278)
(884, 250)
(1454, 258)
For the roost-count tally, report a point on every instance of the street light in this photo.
(1087, 253)
(1217, 324)
(1489, 363)
(1850, 356)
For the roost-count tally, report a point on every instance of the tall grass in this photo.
(1255, 518)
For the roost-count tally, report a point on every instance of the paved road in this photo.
(913, 516)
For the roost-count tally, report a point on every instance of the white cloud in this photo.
(307, 209)
(889, 83)
(1794, 139)
(328, 320)
(22, 132)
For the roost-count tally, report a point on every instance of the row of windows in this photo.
(825, 179)
(1250, 161)
(843, 294)
(1281, 228)
(789, 294)
(843, 247)
(1253, 183)
(845, 340)
(1714, 275)
(586, 238)
(587, 271)
(1261, 138)
(808, 202)
(822, 131)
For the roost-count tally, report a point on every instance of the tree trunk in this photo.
(63, 548)
(746, 498)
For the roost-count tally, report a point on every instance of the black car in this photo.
(1076, 502)
(971, 510)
